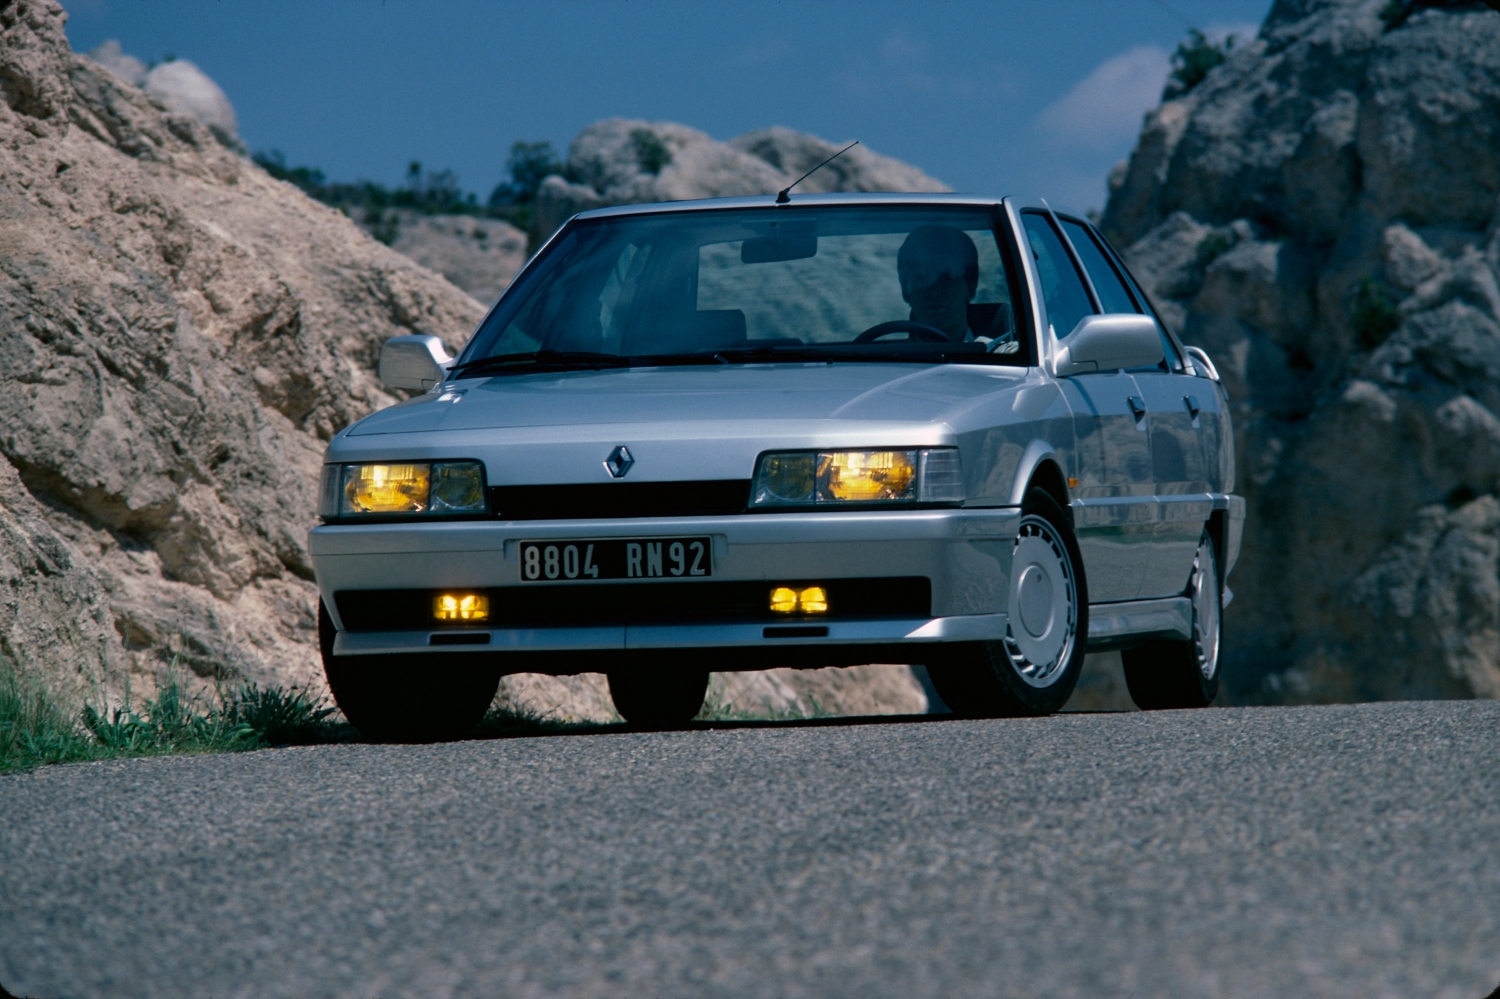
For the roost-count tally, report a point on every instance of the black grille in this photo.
(640, 603)
(607, 500)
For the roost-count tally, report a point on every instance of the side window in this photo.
(1113, 295)
(1062, 288)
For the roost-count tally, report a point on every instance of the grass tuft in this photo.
(35, 729)
(279, 717)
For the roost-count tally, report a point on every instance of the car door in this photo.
(1114, 510)
(1177, 407)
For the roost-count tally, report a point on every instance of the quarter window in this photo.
(1062, 288)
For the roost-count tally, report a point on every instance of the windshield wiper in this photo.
(842, 352)
(579, 359)
(540, 358)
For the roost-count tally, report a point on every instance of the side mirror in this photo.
(414, 362)
(1109, 343)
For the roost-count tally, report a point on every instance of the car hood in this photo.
(686, 423)
(868, 391)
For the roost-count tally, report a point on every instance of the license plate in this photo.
(617, 558)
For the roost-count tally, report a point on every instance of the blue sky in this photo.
(998, 97)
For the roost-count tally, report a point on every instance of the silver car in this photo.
(819, 431)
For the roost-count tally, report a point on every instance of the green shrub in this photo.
(1195, 56)
(384, 227)
(1395, 12)
(1214, 246)
(650, 152)
(1372, 310)
(529, 164)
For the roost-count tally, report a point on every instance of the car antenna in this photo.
(784, 195)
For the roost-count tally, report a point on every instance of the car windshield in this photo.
(754, 285)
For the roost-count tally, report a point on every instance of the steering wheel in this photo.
(913, 331)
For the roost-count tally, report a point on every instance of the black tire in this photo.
(997, 679)
(423, 697)
(1167, 674)
(649, 696)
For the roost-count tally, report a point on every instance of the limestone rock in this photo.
(181, 87)
(1321, 215)
(115, 59)
(179, 336)
(479, 255)
(186, 89)
(776, 694)
(620, 161)
(859, 169)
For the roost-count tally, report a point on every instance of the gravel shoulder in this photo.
(1328, 851)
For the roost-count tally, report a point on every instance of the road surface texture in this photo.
(1276, 852)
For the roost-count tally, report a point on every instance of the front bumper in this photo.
(965, 553)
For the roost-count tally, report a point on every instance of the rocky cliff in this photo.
(1321, 215)
(179, 334)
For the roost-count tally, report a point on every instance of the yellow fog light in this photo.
(783, 600)
(386, 488)
(461, 607)
(868, 475)
(811, 600)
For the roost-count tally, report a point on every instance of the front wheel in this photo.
(1034, 669)
(408, 698)
(658, 696)
(1167, 674)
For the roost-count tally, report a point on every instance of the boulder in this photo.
(186, 89)
(621, 161)
(180, 86)
(1321, 215)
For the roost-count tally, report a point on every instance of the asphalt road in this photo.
(1335, 851)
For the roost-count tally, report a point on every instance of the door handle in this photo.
(1137, 406)
(1192, 405)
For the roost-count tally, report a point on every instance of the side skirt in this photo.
(1131, 622)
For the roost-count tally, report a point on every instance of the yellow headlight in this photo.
(386, 488)
(867, 475)
(461, 607)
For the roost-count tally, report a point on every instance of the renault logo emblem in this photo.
(619, 462)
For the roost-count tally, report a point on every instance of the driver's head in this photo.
(939, 271)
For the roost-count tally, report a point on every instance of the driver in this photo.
(939, 271)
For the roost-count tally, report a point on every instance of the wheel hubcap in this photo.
(1043, 604)
(1206, 609)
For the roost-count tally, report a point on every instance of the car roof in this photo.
(797, 201)
(828, 199)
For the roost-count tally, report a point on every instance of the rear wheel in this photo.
(1034, 669)
(1166, 674)
(658, 696)
(424, 697)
